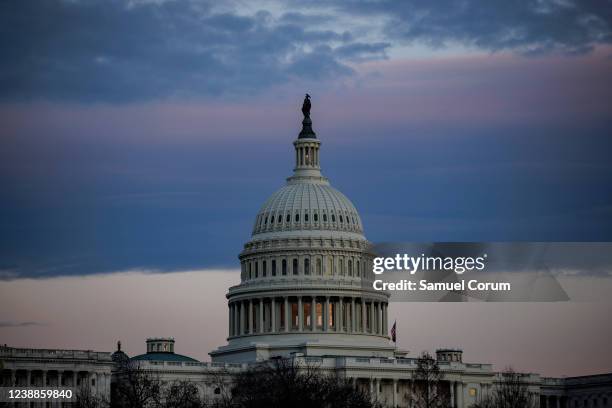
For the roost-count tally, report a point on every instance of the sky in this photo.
(139, 138)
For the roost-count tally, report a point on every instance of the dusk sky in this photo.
(143, 136)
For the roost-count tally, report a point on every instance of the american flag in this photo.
(393, 331)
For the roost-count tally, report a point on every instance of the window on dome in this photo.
(297, 217)
(263, 269)
(350, 268)
(306, 266)
(250, 272)
(333, 217)
(324, 217)
(319, 266)
(316, 217)
(306, 217)
(279, 219)
(256, 269)
(266, 220)
(288, 217)
(341, 218)
(295, 266)
(284, 267)
(274, 267)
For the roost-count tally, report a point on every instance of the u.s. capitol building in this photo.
(306, 293)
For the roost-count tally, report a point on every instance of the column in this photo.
(273, 314)
(353, 320)
(459, 394)
(286, 313)
(452, 394)
(242, 319)
(313, 313)
(261, 315)
(44, 378)
(14, 378)
(236, 319)
(372, 388)
(74, 378)
(385, 319)
(558, 399)
(363, 315)
(326, 314)
(251, 331)
(380, 319)
(340, 315)
(28, 378)
(395, 399)
(300, 314)
(230, 323)
(59, 378)
(372, 317)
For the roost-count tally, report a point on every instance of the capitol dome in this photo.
(308, 207)
(306, 273)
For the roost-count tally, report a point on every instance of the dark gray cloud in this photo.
(19, 324)
(120, 51)
(528, 26)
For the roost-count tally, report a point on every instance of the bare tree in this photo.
(135, 388)
(291, 383)
(428, 389)
(181, 394)
(85, 398)
(511, 391)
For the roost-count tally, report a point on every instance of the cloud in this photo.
(114, 51)
(529, 27)
(19, 324)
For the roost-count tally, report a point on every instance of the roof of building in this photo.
(162, 357)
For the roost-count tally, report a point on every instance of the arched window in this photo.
(333, 217)
(340, 218)
(329, 268)
(319, 266)
(357, 268)
(250, 271)
(279, 219)
(306, 266)
(324, 217)
(274, 267)
(284, 267)
(288, 218)
(297, 217)
(341, 266)
(316, 217)
(263, 269)
(256, 269)
(350, 268)
(295, 266)
(306, 217)
(266, 220)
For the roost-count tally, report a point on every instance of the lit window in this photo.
(472, 392)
